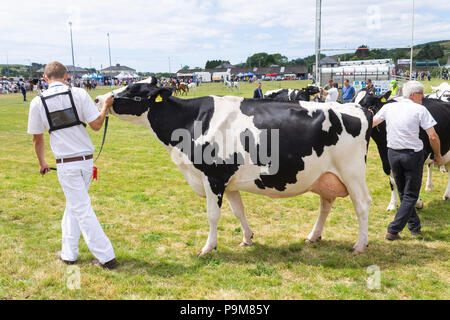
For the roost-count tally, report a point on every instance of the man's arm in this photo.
(376, 120)
(39, 148)
(98, 123)
(435, 145)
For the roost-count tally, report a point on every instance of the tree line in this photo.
(429, 51)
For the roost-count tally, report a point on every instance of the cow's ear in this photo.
(160, 94)
(386, 96)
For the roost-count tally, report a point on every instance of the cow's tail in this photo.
(369, 117)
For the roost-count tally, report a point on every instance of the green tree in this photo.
(212, 64)
(430, 52)
(185, 68)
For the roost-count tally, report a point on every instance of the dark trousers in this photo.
(407, 168)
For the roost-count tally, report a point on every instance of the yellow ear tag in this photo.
(383, 99)
(158, 98)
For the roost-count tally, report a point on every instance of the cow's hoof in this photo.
(357, 251)
(419, 204)
(429, 188)
(310, 241)
(391, 207)
(245, 244)
(204, 251)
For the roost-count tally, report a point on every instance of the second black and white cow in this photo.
(440, 110)
(224, 145)
(303, 94)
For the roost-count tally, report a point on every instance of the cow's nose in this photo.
(96, 100)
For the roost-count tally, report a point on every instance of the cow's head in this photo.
(370, 101)
(311, 90)
(135, 99)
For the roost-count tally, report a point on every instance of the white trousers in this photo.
(79, 217)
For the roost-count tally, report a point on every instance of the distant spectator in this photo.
(348, 92)
(369, 87)
(24, 91)
(394, 88)
(257, 94)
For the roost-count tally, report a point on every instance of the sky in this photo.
(164, 35)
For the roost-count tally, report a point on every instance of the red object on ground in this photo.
(94, 176)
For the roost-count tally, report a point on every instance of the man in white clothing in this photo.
(405, 152)
(332, 94)
(64, 111)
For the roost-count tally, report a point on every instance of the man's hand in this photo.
(108, 102)
(43, 168)
(438, 160)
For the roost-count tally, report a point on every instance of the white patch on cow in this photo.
(268, 93)
(289, 93)
(360, 96)
(226, 125)
(148, 80)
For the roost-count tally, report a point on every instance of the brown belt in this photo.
(74, 159)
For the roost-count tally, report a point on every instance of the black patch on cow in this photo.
(295, 95)
(169, 115)
(299, 135)
(352, 124)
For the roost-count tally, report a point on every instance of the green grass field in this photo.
(157, 226)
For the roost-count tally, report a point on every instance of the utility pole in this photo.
(318, 23)
(169, 67)
(412, 43)
(7, 66)
(73, 59)
(110, 68)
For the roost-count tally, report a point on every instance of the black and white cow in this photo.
(224, 145)
(303, 94)
(440, 110)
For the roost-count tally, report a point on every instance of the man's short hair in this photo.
(412, 87)
(330, 80)
(346, 80)
(369, 80)
(335, 85)
(55, 70)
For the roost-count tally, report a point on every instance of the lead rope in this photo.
(94, 176)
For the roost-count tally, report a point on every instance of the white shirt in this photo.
(332, 95)
(403, 119)
(68, 142)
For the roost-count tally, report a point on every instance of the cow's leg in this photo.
(446, 195)
(395, 198)
(447, 167)
(325, 207)
(355, 182)
(235, 201)
(429, 184)
(213, 205)
(393, 204)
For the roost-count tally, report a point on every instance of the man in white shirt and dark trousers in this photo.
(64, 111)
(405, 152)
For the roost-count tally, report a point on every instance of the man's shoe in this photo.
(111, 264)
(65, 261)
(392, 237)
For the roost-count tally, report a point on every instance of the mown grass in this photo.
(158, 225)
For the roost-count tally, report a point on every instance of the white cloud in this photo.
(145, 33)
